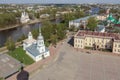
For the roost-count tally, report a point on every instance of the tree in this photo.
(61, 31)
(72, 28)
(21, 38)
(92, 23)
(35, 33)
(37, 15)
(10, 44)
(53, 32)
(53, 39)
(7, 19)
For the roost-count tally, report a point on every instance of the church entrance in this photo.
(43, 57)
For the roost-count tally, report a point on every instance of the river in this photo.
(16, 33)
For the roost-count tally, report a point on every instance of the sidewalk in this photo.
(35, 66)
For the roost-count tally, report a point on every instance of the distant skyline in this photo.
(60, 1)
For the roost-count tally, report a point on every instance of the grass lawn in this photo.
(20, 55)
(1, 79)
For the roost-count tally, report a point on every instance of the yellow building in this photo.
(101, 17)
(97, 40)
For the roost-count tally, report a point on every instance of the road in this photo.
(75, 65)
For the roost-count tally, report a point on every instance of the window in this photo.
(103, 45)
(98, 40)
(102, 41)
(76, 45)
(115, 50)
(76, 40)
(89, 43)
(118, 50)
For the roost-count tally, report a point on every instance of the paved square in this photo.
(75, 65)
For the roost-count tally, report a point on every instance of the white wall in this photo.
(47, 54)
(76, 24)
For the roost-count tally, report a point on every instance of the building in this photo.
(8, 66)
(42, 16)
(100, 28)
(35, 48)
(81, 21)
(97, 40)
(111, 19)
(102, 17)
(24, 17)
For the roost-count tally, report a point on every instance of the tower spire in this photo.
(39, 30)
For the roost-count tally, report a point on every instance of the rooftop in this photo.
(98, 34)
(29, 41)
(118, 25)
(84, 18)
(8, 65)
(33, 50)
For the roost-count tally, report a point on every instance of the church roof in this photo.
(34, 51)
(118, 22)
(40, 36)
(29, 41)
(83, 18)
(110, 17)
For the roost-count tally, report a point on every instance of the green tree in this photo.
(7, 19)
(37, 15)
(92, 23)
(72, 28)
(53, 32)
(53, 39)
(10, 44)
(21, 38)
(61, 31)
(35, 33)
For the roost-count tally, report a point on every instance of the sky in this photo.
(60, 1)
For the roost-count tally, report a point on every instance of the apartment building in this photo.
(97, 40)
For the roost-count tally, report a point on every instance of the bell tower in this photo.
(40, 42)
(30, 36)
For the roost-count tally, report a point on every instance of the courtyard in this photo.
(71, 64)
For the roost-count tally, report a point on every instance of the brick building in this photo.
(97, 40)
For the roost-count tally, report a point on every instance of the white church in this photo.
(24, 17)
(35, 48)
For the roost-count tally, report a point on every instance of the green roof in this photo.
(118, 22)
(110, 18)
